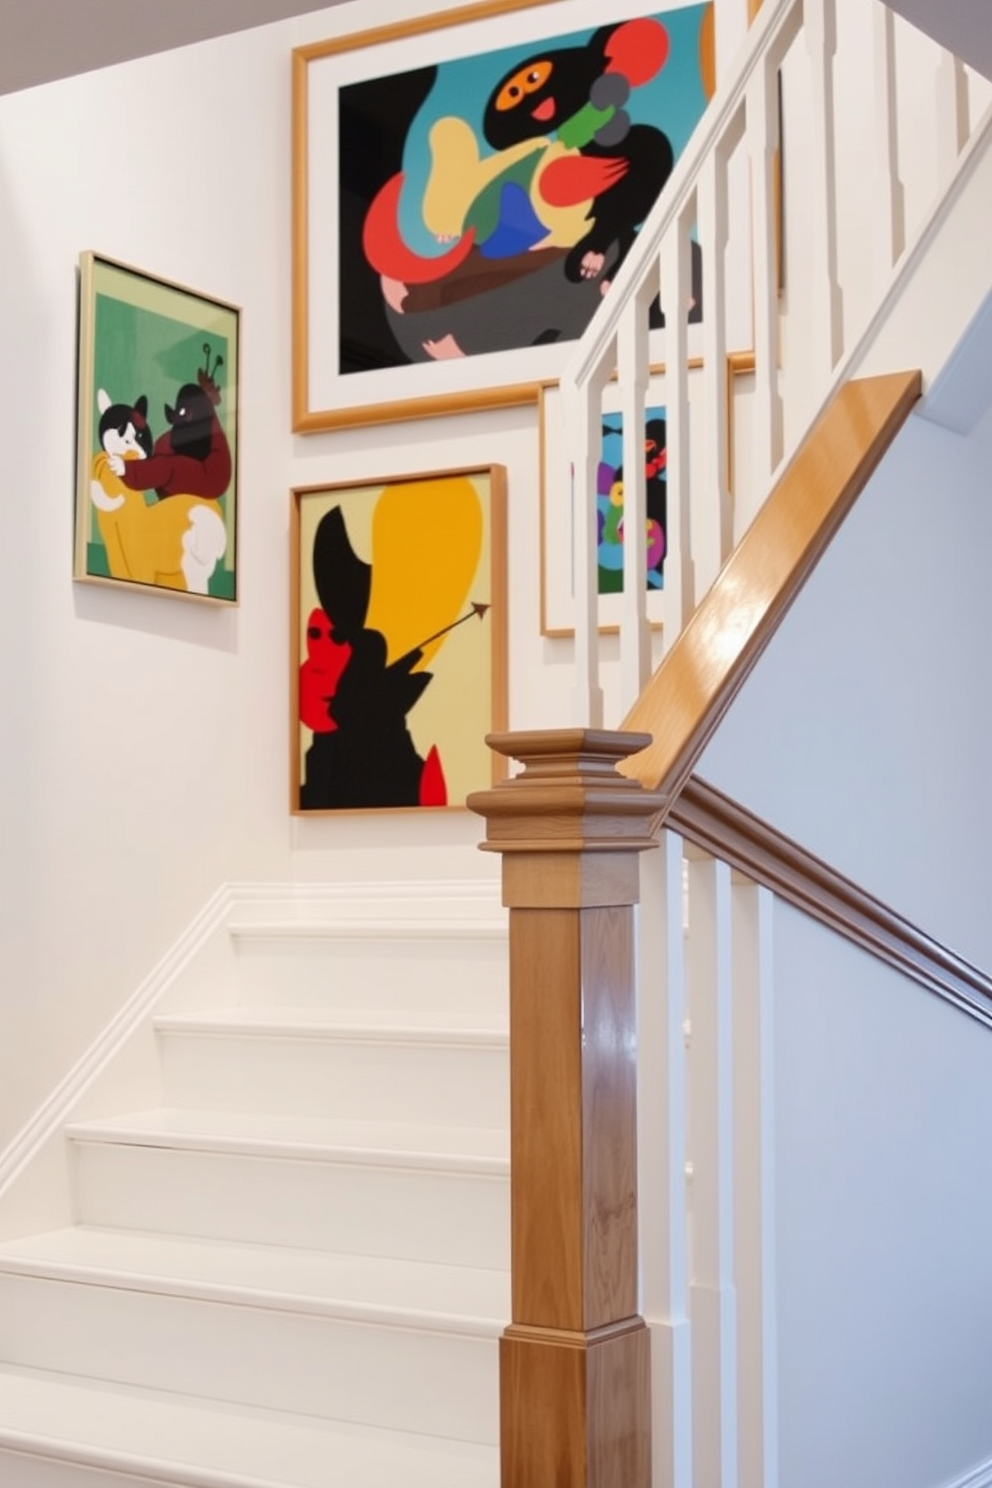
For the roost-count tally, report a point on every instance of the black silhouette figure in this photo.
(370, 758)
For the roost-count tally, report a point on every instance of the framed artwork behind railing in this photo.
(466, 185)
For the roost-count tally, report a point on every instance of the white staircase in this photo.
(292, 1268)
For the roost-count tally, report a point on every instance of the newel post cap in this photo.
(569, 801)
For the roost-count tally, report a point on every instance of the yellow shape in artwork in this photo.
(426, 545)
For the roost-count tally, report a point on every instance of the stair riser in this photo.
(459, 1219)
(357, 1081)
(465, 982)
(382, 1376)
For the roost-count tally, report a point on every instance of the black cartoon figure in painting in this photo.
(192, 457)
(539, 225)
(609, 168)
(173, 545)
(367, 758)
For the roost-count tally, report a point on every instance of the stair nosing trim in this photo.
(344, 1155)
(359, 1033)
(172, 1474)
(221, 1294)
(368, 929)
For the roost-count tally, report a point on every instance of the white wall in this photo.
(145, 742)
(883, 1101)
(864, 730)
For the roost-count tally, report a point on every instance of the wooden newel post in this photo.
(574, 1363)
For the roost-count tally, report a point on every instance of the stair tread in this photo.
(172, 1126)
(175, 1440)
(375, 1023)
(354, 1286)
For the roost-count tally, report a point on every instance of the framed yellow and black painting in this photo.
(398, 640)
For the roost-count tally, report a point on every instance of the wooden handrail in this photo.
(725, 829)
(575, 1360)
(709, 661)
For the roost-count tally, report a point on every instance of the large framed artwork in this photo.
(398, 640)
(465, 188)
(157, 435)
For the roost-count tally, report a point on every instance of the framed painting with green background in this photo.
(398, 640)
(157, 435)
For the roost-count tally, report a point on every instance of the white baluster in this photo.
(714, 496)
(680, 591)
(713, 1302)
(826, 311)
(754, 1174)
(762, 137)
(582, 413)
(661, 1155)
(635, 635)
(890, 228)
(952, 113)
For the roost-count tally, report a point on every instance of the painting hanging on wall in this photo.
(398, 627)
(157, 435)
(467, 187)
(558, 517)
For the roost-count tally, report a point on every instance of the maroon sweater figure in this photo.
(193, 457)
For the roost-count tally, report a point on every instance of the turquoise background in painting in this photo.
(673, 101)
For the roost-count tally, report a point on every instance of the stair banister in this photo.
(767, 41)
(726, 189)
(697, 192)
(576, 1403)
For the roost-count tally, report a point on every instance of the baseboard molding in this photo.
(55, 1111)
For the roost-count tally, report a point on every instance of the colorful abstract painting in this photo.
(157, 441)
(398, 621)
(609, 502)
(487, 201)
(466, 187)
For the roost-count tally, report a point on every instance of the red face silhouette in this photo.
(319, 674)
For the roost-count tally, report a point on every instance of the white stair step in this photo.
(421, 1193)
(457, 968)
(391, 1345)
(302, 1063)
(361, 1288)
(58, 1433)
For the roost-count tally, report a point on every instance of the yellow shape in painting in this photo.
(458, 174)
(174, 544)
(426, 544)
